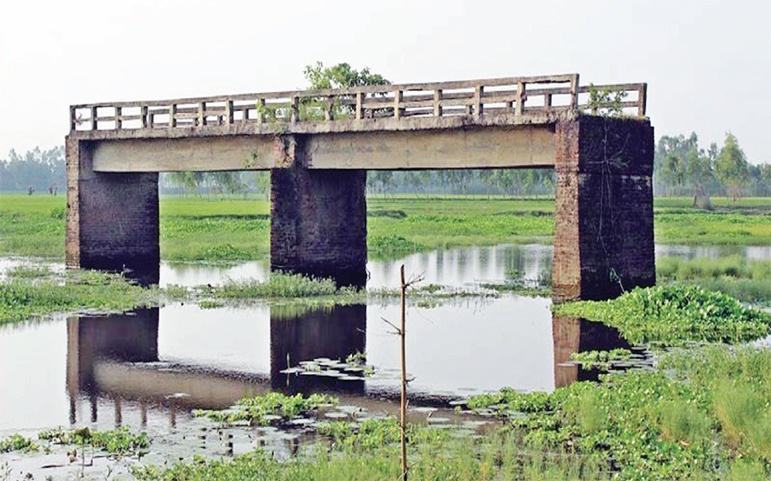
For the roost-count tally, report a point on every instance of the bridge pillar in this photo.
(112, 218)
(603, 239)
(318, 220)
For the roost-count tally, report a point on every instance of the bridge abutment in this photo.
(319, 221)
(112, 218)
(603, 239)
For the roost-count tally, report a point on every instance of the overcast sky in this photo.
(707, 63)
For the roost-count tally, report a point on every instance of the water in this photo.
(461, 267)
(453, 267)
(150, 368)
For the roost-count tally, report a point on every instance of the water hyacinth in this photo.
(675, 315)
(271, 408)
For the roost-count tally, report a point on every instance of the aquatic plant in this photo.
(674, 315)
(271, 408)
(369, 453)
(17, 442)
(21, 299)
(702, 415)
(280, 285)
(120, 441)
(600, 359)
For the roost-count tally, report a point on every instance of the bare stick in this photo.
(403, 412)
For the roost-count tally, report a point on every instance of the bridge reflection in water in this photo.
(114, 360)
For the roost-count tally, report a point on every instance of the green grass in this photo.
(678, 269)
(32, 226)
(370, 452)
(24, 298)
(702, 415)
(674, 315)
(279, 285)
(748, 281)
(208, 229)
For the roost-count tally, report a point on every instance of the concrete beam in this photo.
(468, 148)
(491, 147)
(189, 154)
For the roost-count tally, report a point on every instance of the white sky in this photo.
(707, 63)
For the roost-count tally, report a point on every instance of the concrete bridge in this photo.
(318, 146)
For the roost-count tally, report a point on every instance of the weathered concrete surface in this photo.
(319, 221)
(603, 240)
(470, 148)
(192, 154)
(525, 146)
(112, 221)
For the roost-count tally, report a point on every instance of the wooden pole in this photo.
(403, 411)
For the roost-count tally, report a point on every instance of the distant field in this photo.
(208, 228)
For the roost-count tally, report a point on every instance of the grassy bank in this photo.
(702, 415)
(747, 280)
(31, 291)
(210, 229)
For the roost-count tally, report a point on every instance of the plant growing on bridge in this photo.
(606, 102)
(338, 76)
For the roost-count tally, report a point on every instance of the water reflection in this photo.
(459, 267)
(155, 362)
(573, 335)
(305, 334)
(116, 358)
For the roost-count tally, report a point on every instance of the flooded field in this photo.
(149, 369)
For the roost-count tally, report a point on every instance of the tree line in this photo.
(681, 168)
(35, 171)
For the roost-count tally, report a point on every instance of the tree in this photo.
(337, 76)
(341, 75)
(731, 167)
(698, 169)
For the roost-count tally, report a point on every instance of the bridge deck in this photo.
(511, 101)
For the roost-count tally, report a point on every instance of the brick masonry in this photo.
(112, 221)
(603, 240)
(319, 221)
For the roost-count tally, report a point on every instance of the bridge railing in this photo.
(618, 99)
(517, 97)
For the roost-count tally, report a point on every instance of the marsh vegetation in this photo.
(699, 410)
